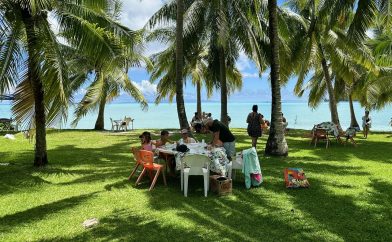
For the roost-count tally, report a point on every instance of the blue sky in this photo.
(135, 15)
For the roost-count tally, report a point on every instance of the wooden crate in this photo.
(221, 185)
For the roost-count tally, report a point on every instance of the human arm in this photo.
(261, 120)
(215, 139)
(369, 121)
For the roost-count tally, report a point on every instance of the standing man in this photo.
(221, 134)
(366, 124)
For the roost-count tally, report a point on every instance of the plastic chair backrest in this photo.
(136, 156)
(147, 157)
(196, 162)
(321, 132)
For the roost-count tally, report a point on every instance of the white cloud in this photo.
(249, 75)
(135, 13)
(146, 87)
(243, 62)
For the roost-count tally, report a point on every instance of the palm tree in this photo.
(313, 50)
(111, 76)
(110, 79)
(327, 48)
(213, 21)
(375, 91)
(276, 143)
(362, 13)
(179, 65)
(32, 59)
(195, 66)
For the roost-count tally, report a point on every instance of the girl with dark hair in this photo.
(254, 120)
(146, 142)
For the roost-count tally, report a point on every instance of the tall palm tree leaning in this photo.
(179, 65)
(276, 143)
(42, 92)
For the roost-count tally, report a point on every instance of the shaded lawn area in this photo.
(350, 198)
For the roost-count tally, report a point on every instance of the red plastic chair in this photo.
(138, 161)
(147, 158)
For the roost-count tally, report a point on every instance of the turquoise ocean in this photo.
(164, 115)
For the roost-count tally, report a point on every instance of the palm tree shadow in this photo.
(341, 215)
(42, 211)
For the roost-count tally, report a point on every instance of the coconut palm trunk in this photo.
(223, 86)
(100, 123)
(331, 93)
(179, 66)
(198, 101)
(40, 156)
(276, 143)
(353, 122)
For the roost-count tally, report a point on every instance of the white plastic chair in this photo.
(193, 165)
(125, 123)
(235, 164)
(114, 124)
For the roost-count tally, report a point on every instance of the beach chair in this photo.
(147, 158)
(320, 134)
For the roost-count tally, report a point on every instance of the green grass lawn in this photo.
(350, 198)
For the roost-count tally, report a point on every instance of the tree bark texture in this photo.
(100, 123)
(353, 122)
(40, 155)
(276, 143)
(331, 92)
(179, 66)
(198, 90)
(223, 85)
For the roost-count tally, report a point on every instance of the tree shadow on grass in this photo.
(86, 164)
(342, 215)
(15, 177)
(42, 211)
(249, 217)
(123, 225)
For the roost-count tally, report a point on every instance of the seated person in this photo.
(196, 123)
(264, 123)
(169, 158)
(146, 142)
(350, 134)
(203, 116)
(185, 138)
(197, 127)
(196, 118)
(164, 139)
(209, 116)
(285, 123)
